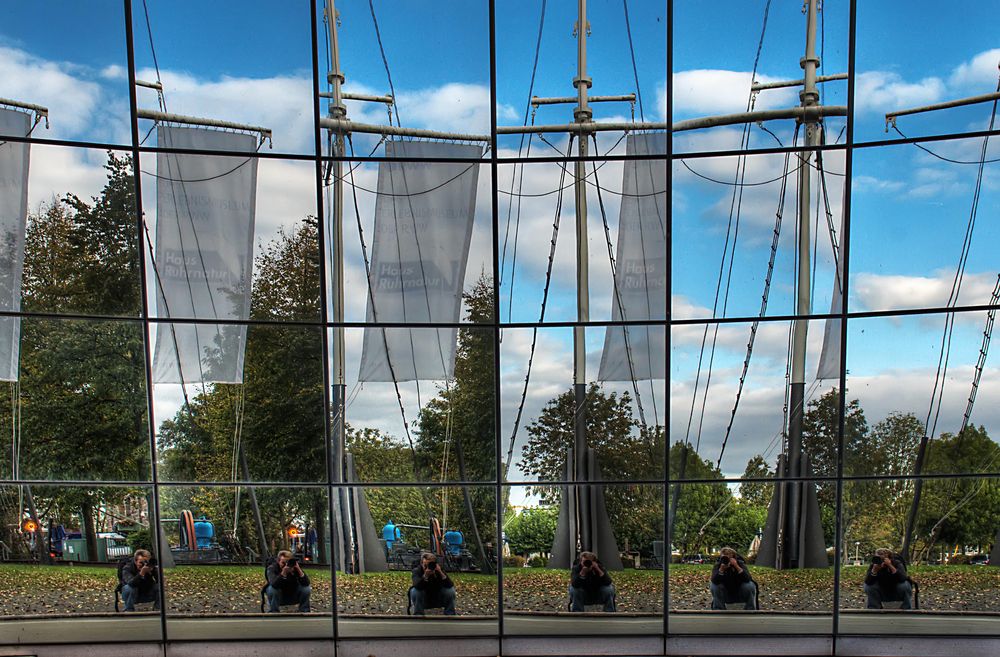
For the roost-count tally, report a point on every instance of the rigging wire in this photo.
(740, 170)
(942, 157)
(534, 331)
(956, 288)
(981, 363)
(385, 61)
(527, 108)
(635, 70)
(775, 238)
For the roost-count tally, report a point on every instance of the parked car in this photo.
(979, 560)
(693, 558)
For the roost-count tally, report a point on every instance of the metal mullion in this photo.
(668, 338)
(845, 245)
(260, 155)
(951, 136)
(154, 513)
(321, 250)
(43, 141)
(498, 474)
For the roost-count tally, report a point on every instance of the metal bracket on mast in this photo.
(40, 112)
(890, 117)
(165, 117)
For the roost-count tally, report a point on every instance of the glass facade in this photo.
(807, 380)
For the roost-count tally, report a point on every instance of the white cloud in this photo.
(880, 91)
(74, 102)
(713, 91)
(885, 291)
(114, 72)
(979, 72)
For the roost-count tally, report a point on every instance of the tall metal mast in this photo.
(337, 110)
(809, 97)
(581, 114)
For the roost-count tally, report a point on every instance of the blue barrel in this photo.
(391, 534)
(204, 532)
(453, 541)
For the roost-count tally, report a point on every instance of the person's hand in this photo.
(298, 570)
(428, 573)
(438, 572)
(286, 571)
(597, 570)
(145, 570)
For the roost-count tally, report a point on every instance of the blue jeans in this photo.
(747, 594)
(876, 595)
(133, 596)
(420, 601)
(605, 595)
(299, 595)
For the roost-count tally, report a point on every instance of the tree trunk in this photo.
(319, 513)
(43, 554)
(487, 566)
(89, 530)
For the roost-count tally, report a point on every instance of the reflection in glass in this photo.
(222, 537)
(93, 529)
(457, 525)
(900, 403)
(712, 516)
(947, 566)
(79, 408)
(270, 427)
(544, 575)
(449, 429)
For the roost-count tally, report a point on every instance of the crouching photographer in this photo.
(590, 584)
(886, 581)
(431, 587)
(287, 584)
(139, 582)
(731, 582)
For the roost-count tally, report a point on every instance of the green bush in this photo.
(513, 561)
(538, 561)
(141, 539)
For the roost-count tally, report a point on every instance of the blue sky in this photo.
(248, 61)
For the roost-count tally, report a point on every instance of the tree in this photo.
(531, 530)
(83, 397)
(460, 419)
(697, 523)
(279, 408)
(757, 493)
(625, 450)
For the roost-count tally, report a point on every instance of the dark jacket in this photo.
(131, 577)
(885, 579)
(590, 583)
(729, 578)
(281, 583)
(430, 586)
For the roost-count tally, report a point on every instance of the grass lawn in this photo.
(29, 589)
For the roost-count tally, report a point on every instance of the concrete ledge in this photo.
(566, 624)
(746, 646)
(80, 630)
(415, 626)
(949, 646)
(437, 647)
(749, 623)
(543, 646)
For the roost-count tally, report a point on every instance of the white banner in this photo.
(640, 293)
(829, 358)
(423, 227)
(13, 217)
(204, 254)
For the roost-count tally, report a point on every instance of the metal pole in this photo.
(581, 114)
(809, 97)
(338, 112)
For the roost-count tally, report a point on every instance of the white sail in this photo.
(205, 206)
(13, 217)
(640, 291)
(423, 228)
(829, 358)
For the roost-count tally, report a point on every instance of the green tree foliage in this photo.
(625, 450)
(757, 493)
(531, 530)
(279, 408)
(697, 518)
(82, 383)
